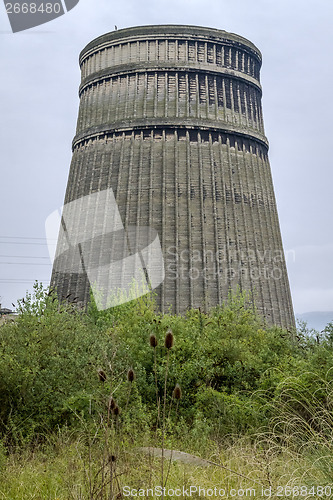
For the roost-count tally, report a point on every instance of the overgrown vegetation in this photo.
(100, 383)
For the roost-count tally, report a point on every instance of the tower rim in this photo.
(197, 32)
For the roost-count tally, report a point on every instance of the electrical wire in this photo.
(25, 264)
(4, 282)
(27, 240)
(22, 257)
(24, 243)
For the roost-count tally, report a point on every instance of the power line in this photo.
(23, 257)
(26, 238)
(24, 243)
(18, 281)
(22, 278)
(44, 282)
(25, 264)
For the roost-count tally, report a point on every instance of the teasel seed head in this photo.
(169, 339)
(153, 341)
(177, 392)
(101, 375)
(130, 375)
(112, 403)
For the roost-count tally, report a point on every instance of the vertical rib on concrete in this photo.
(170, 118)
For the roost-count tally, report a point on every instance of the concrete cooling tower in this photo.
(170, 155)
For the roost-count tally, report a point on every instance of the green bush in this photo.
(229, 364)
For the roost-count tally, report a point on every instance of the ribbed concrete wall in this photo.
(170, 117)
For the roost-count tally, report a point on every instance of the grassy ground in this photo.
(79, 468)
(221, 374)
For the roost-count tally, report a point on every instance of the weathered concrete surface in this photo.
(170, 118)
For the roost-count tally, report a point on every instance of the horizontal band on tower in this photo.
(196, 33)
(174, 124)
(163, 67)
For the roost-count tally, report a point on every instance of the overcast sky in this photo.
(39, 104)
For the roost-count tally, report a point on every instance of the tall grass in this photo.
(294, 450)
(58, 470)
(303, 425)
(80, 394)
